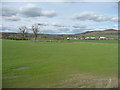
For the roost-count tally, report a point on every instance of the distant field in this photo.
(28, 64)
(78, 40)
(110, 36)
(95, 41)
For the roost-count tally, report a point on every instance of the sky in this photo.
(59, 17)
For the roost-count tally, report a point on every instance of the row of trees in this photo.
(35, 29)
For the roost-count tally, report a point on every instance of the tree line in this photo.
(35, 29)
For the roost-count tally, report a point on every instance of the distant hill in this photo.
(98, 32)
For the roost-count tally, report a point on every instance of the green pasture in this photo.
(28, 64)
(94, 41)
(109, 36)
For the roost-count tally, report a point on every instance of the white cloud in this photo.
(64, 29)
(115, 25)
(93, 16)
(115, 4)
(12, 18)
(51, 13)
(115, 19)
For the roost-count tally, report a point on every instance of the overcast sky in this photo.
(60, 17)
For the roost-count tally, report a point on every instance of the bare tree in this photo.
(23, 31)
(36, 29)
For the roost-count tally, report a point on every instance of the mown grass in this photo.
(51, 62)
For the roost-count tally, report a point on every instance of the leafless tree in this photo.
(36, 29)
(23, 31)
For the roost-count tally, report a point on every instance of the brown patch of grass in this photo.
(22, 68)
(89, 81)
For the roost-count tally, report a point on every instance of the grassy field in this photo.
(109, 36)
(95, 41)
(28, 64)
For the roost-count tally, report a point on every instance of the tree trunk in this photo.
(35, 37)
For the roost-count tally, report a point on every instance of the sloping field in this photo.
(29, 64)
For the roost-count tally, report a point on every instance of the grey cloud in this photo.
(43, 23)
(93, 16)
(4, 28)
(77, 30)
(49, 31)
(9, 28)
(64, 29)
(31, 10)
(79, 26)
(8, 11)
(59, 30)
(57, 24)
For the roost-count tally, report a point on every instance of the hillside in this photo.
(104, 32)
